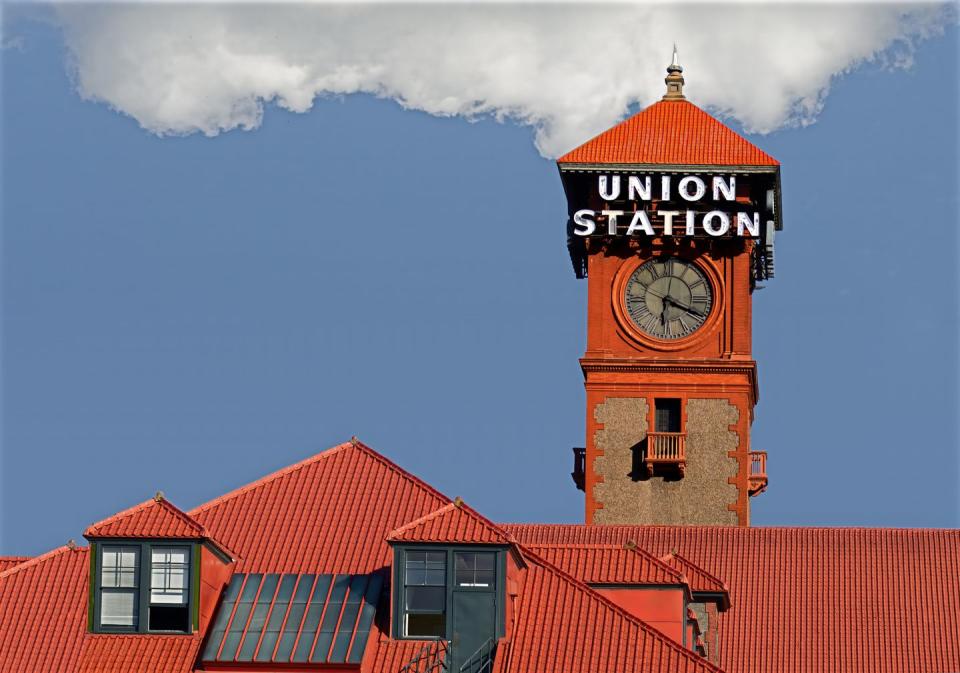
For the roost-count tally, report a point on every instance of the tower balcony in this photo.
(666, 449)
(579, 466)
(758, 472)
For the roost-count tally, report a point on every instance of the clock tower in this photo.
(672, 217)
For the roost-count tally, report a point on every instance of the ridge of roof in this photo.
(310, 460)
(609, 604)
(34, 560)
(627, 548)
(7, 562)
(102, 528)
(445, 518)
(696, 570)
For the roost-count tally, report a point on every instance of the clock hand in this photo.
(688, 309)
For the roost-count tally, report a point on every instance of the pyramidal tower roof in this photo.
(671, 132)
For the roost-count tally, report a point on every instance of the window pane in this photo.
(426, 598)
(119, 566)
(474, 569)
(118, 608)
(426, 568)
(416, 575)
(426, 625)
(168, 575)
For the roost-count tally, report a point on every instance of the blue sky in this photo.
(190, 313)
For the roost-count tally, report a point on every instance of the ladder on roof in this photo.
(431, 658)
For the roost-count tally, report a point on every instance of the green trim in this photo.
(397, 590)
(195, 585)
(92, 592)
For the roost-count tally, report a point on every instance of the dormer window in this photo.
(425, 593)
(119, 587)
(133, 596)
(169, 579)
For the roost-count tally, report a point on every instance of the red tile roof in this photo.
(103, 653)
(330, 513)
(156, 517)
(608, 564)
(700, 579)
(7, 562)
(43, 610)
(454, 522)
(674, 133)
(814, 600)
(563, 625)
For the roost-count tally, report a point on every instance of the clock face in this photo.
(668, 298)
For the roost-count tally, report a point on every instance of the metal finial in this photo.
(674, 79)
(159, 496)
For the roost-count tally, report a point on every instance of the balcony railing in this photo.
(667, 449)
(579, 466)
(758, 472)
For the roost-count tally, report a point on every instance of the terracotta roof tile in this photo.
(7, 562)
(110, 653)
(796, 592)
(672, 133)
(43, 610)
(330, 513)
(156, 517)
(700, 579)
(563, 625)
(454, 522)
(608, 564)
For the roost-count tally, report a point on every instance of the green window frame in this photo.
(140, 586)
(465, 568)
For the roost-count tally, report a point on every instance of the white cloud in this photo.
(569, 71)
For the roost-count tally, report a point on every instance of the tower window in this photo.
(666, 415)
(475, 569)
(425, 591)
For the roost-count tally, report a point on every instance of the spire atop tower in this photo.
(674, 79)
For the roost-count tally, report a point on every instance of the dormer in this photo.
(451, 569)
(153, 569)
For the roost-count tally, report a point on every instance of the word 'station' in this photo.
(690, 188)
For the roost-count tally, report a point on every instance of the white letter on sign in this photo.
(668, 216)
(584, 220)
(729, 190)
(708, 223)
(614, 190)
(684, 188)
(640, 222)
(641, 189)
(612, 220)
(743, 221)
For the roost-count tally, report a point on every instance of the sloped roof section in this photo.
(324, 619)
(675, 133)
(43, 610)
(700, 579)
(608, 564)
(330, 513)
(157, 518)
(7, 562)
(563, 625)
(819, 600)
(454, 522)
(103, 653)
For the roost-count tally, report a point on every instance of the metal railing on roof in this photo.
(431, 658)
(481, 661)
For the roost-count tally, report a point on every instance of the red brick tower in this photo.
(672, 218)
